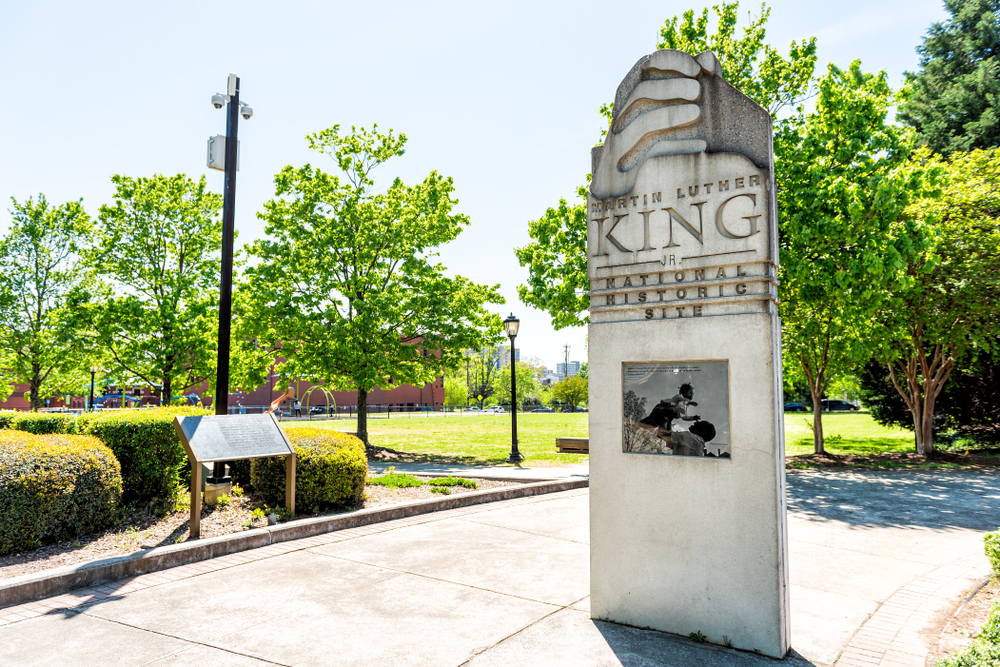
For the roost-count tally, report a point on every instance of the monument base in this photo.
(213, 491)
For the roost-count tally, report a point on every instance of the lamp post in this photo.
(511, 324)
(93, 372)
(229, 166)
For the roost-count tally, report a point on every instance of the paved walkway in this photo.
(504, 473)
(876, 558)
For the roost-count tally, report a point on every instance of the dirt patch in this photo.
(141, 531)
(961, 629)
(970, 459)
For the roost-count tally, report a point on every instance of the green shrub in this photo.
(54, 487)
(992, 541)
(41, 423)
(395, 480)
(330, 471)
(146, 444)
(6, 417)
(452, 481)
(985, 650)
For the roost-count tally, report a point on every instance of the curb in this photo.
(65, 579)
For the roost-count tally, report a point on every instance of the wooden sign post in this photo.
(208, 439)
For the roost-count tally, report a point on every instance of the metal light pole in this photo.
(511, 324)
(93, 372)
(230, 164)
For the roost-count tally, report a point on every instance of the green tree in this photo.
(456, 391)
(571, 391)
(846, 180)
(527, 383)
(39, 273)
(346, 281)
(948, 305)
(158, 252)
(954, 100)
(752, 66)
(481, 369)
(557, 255)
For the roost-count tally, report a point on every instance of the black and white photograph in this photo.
(676, 408)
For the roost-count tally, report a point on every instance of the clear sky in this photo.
(501, 96)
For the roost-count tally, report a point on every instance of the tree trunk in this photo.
(817, 401)
(924, 381)
(35, 387)
(363, 415)
(165, 391)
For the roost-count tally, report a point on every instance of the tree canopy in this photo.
(39, 273)
(954, 100)
(845, 180)
(158, 252)
(346, 285)
(947, 306)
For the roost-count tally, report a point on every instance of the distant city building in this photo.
(574, 368)
(503, 356)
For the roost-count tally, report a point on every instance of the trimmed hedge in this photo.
(992, 549)
(146, 444)
(42, 423)
(330, 471)
(54, 487)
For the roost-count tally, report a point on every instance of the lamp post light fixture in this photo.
(511, 324)
(230, 162)
(94, 370)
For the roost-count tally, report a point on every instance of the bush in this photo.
(42, 423)
(54, 487)
(992, 541)
(6, 417)
(146, 444)
(330, 471)
(985, 650)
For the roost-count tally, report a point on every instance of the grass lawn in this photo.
(471, 438)
(845, 433)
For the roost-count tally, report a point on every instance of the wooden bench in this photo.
(573, 445)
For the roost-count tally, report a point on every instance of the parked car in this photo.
(472, 409)
(496, 410)
(795, 407)
(543, 409)
(837, 405)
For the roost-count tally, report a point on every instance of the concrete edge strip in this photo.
(30, 587)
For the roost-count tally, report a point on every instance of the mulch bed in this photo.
(971, 459)
(960, 630)
(141, 531)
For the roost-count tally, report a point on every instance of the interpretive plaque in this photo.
(211, 438)
(687, 479)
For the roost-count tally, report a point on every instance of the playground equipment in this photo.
(330, 401)
(288, 395)
(193, 399)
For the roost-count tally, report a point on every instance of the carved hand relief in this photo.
(649, 119)
(681, 187)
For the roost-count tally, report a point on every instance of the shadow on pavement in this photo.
(936, 499)
(645, 648)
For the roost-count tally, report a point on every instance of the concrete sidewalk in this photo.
(502, 473)
(875, 558)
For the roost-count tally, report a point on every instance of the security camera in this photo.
(218, 101)
(246, 111)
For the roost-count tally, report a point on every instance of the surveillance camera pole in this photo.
(226, 288)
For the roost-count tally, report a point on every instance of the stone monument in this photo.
(687, 485)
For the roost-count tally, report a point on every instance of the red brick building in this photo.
(402, 398)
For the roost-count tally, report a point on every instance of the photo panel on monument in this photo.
(676, 408)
